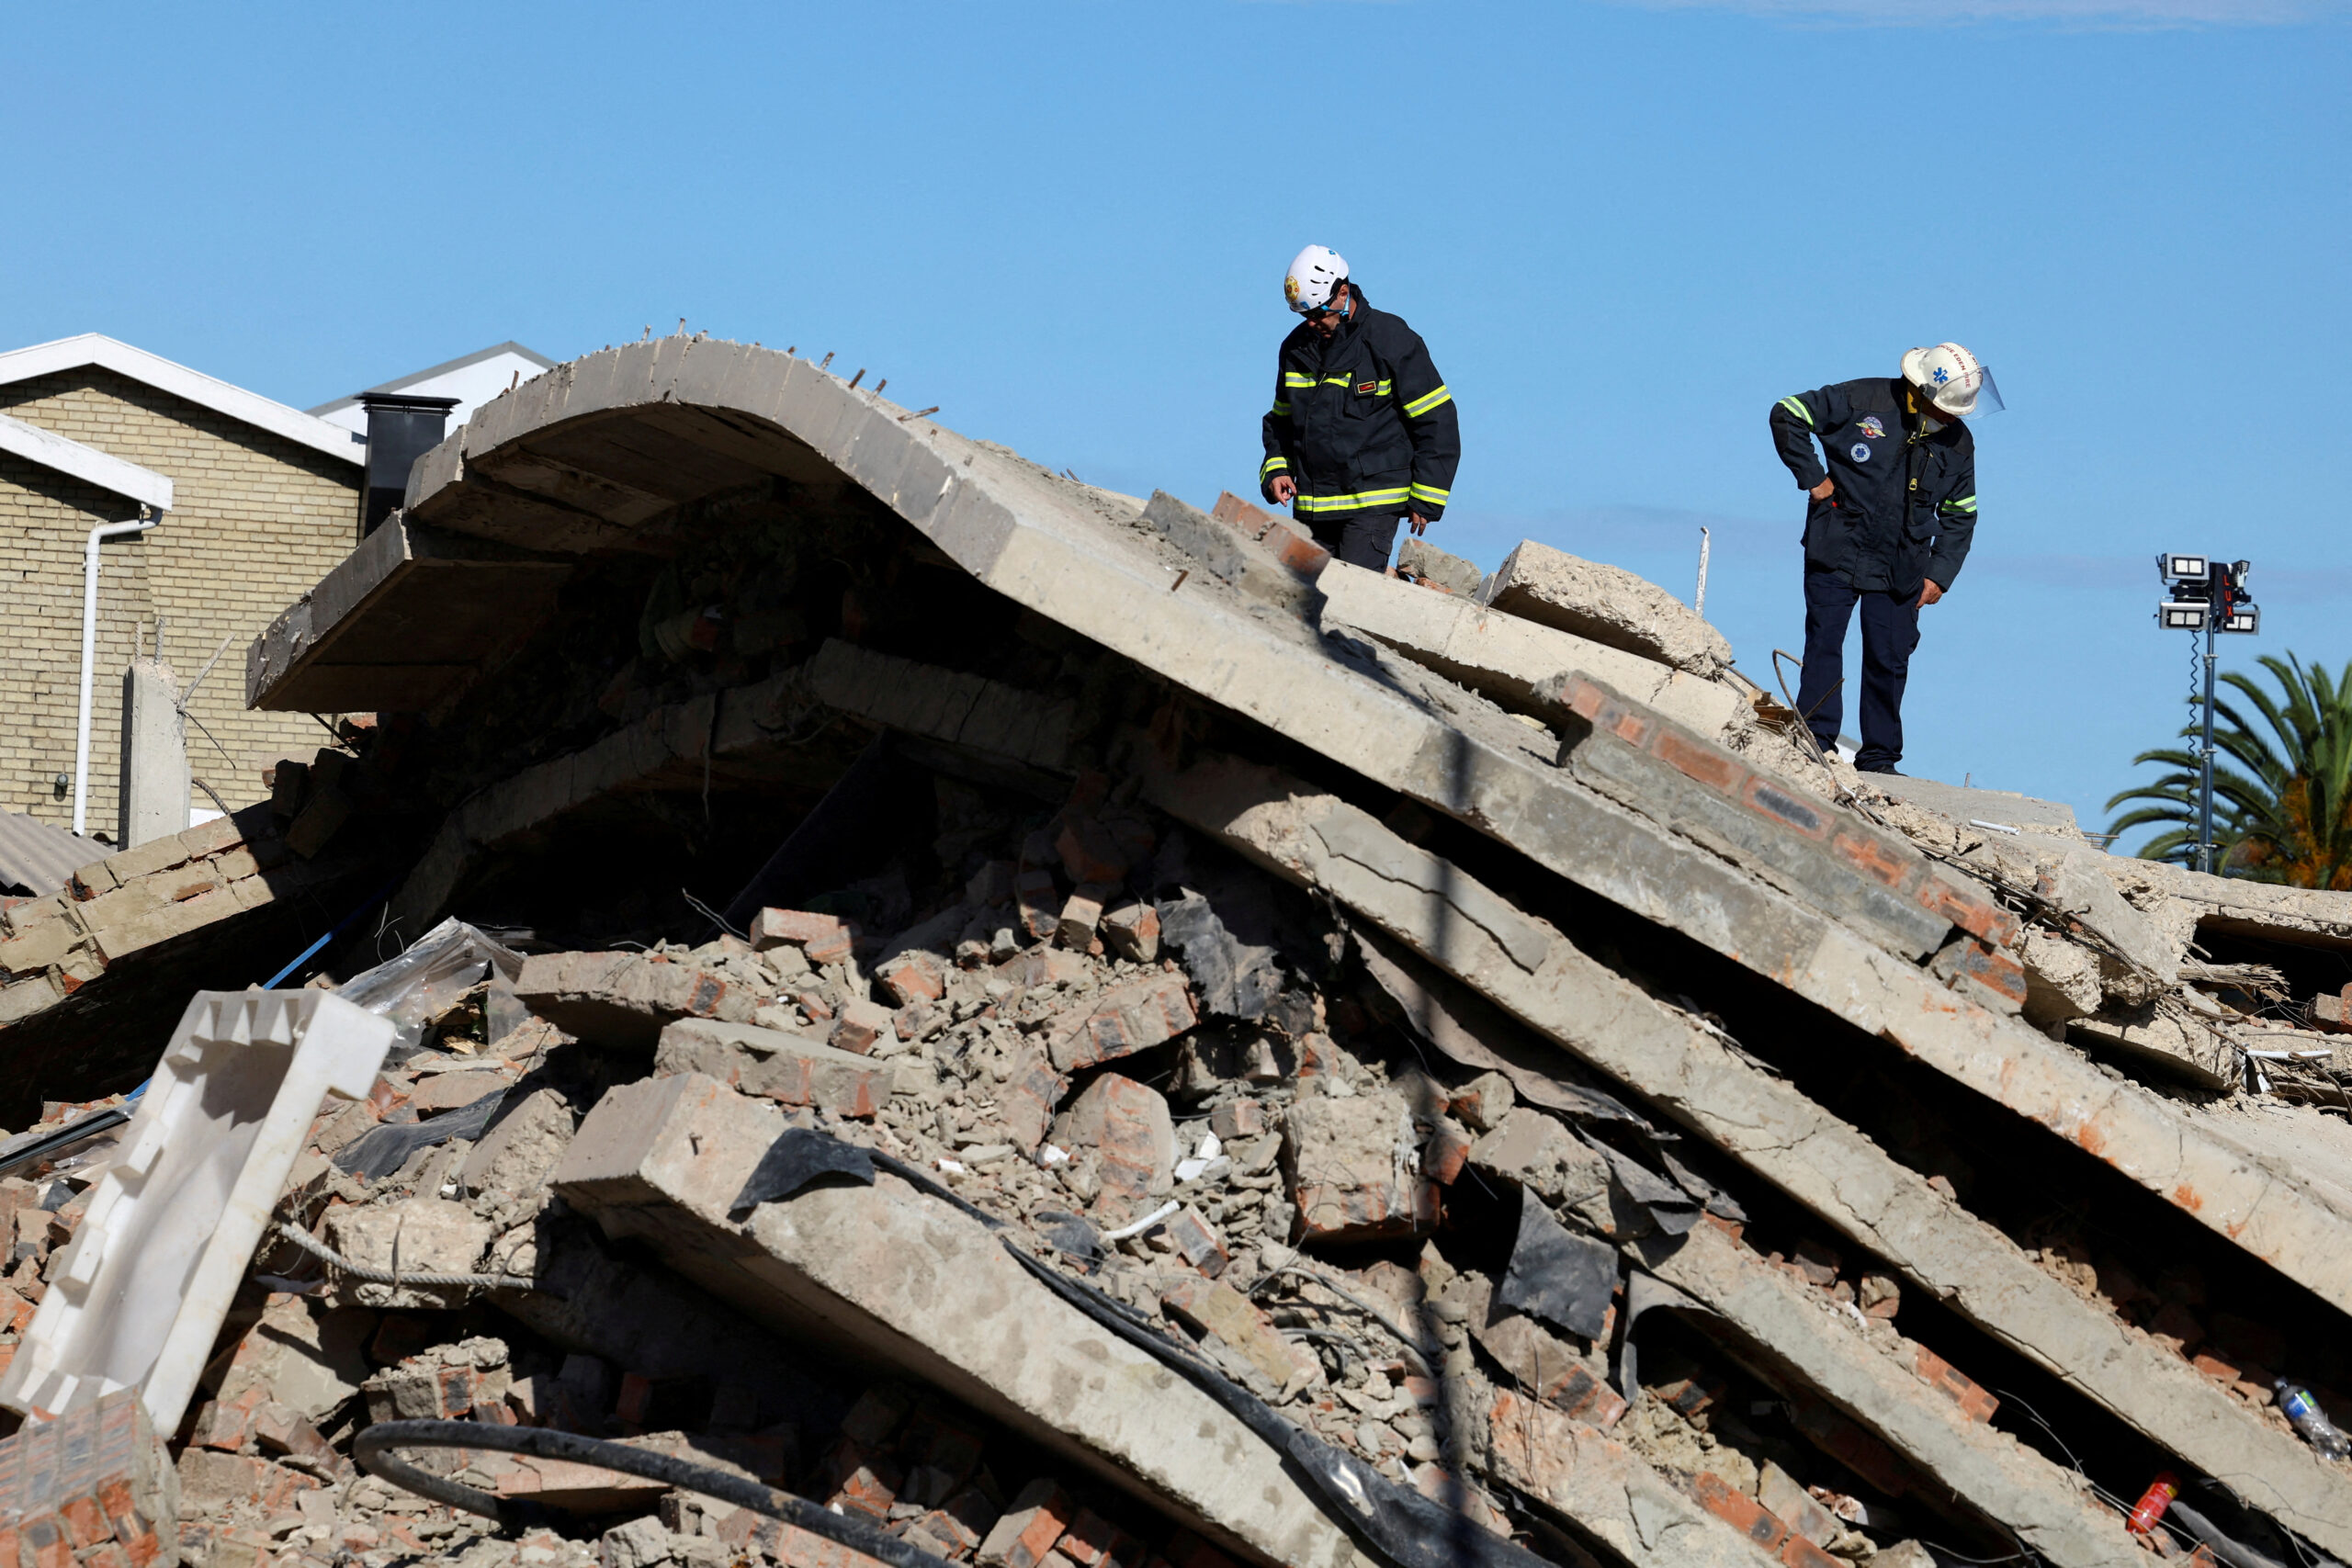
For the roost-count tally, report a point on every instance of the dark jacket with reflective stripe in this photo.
(1361, 424)
(1905, 507)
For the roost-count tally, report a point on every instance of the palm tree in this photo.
(2284, 812)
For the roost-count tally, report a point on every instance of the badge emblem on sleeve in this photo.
(1860, 451)
(1871, 427)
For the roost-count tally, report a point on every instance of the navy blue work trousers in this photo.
(1363, 540)
(1890, 631)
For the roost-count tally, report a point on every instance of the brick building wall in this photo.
(256, 520)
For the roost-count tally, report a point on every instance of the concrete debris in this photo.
(1084, 1034)
(1606, 604)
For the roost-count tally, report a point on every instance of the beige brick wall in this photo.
(255, 521)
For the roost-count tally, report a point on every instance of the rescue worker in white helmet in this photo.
(1892, 512)
(1362, 433)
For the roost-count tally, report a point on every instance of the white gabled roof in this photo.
(51, 450)
(154, 370)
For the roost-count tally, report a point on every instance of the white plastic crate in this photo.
(140, 1294)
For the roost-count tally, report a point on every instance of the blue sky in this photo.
(1624, 230)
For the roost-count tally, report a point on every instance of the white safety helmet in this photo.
(1317, 271)
(1953, 381)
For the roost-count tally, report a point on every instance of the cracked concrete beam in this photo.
(908, 1281)
(1516, 662)
(1448, 918)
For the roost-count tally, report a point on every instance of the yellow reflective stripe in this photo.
(1292, 378)
(1383, 389)
(1795, 406)
(1275, 464)
(1352, 502)
(1282, 409)
(1335, 381)
(1427, 401)
(1965, 503)
(1432, 494)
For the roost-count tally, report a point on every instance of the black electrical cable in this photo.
(374, 1444)
(1402, 1527)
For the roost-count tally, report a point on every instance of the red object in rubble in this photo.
(2154, 1501)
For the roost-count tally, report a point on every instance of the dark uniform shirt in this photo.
(1905, 506)
(1361, 423)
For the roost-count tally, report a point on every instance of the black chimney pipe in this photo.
(401, 429)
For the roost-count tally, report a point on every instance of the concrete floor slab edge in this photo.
(2048, 1509)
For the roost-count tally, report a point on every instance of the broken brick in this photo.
(1038, 898)
(1030, 1527)
(860, 1025)
(1976, 1401)
(1127, 1124)
(1739, 1510)
(914, 975)
(1081, 913)
(1446, 1153)
(825, 939)
(1483, 1101)
(1026, 1102)
(1346, 1160)
(1216, 1308)
(1132, 930)
(1238, 1119)
(1122, 1021)
(1197, 1241)
(856, 1477)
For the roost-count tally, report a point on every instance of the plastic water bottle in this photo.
(2311, 1421)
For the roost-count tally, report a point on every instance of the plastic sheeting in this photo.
(427, 980)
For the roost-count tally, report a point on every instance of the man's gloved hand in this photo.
(1283, 489)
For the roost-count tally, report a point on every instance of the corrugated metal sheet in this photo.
(38, 859)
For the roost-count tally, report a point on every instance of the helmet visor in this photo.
(1987, 398)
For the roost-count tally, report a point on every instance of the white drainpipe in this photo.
(147, 519)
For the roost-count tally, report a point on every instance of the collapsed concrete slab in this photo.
(1683, 835)
(1442, 915)
(1069, 554)
(910, 1282)
(409, 612)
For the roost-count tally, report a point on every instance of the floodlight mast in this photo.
(2216, 587)
(2205, 787)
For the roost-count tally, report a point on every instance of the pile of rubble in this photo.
(921, 1010)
